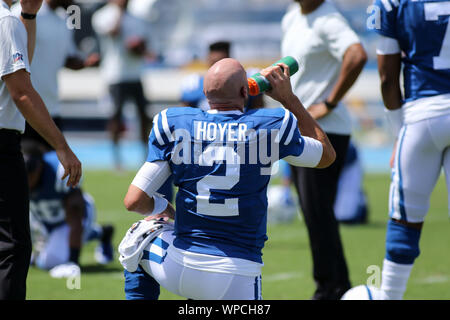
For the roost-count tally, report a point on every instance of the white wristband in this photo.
(160, 204)
(395, 118)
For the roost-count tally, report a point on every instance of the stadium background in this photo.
(180, 32)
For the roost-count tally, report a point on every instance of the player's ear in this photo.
(244, 92)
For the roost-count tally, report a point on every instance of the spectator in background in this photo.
(331, 58)
(55, 49)
(48, 61)
(192, 88)
(123, 45)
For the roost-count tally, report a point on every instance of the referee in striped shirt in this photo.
(19, 101)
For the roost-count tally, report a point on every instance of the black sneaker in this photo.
(104, 253)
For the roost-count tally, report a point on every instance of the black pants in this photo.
(120, 93)
(31, 134)
(15, 240)
(316, 189)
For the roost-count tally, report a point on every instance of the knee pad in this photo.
(402, 243)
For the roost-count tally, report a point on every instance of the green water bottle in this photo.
(258, 83)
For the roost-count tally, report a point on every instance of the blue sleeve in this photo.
(291, 141)
(161, 141)
(387, 25)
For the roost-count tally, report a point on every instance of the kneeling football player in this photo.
(62, 218)
(213, 250)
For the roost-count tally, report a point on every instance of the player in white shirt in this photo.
(19, 101)
(331, 58)
(124, 40)
(49, 58)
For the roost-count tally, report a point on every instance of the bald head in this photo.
(226, 84)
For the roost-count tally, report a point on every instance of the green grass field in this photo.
(287, 272)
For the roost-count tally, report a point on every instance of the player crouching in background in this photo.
(62, 218)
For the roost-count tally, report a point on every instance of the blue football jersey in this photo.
(220, 163)
(46, 200)
(422, 30)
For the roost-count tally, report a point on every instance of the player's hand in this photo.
(318, 110)
(31, 6)
(168, 213)
(136, 46)
(278, 76)
(93, 60)
(71, 164)
(157, 217)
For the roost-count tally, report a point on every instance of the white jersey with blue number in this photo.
(422, 30)
(221, 164)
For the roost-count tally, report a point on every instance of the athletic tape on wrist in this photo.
(160, 204)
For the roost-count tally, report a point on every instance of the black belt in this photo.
(9, 131)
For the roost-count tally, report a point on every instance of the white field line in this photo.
(282, 276)
(434, 279)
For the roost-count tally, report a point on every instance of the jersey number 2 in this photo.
(432, 12)
(212, 155)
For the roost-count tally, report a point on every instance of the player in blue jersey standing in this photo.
(417, 35)
(221, 162)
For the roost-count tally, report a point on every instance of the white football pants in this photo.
(55, 250)
(423, 149)
(192, 283)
